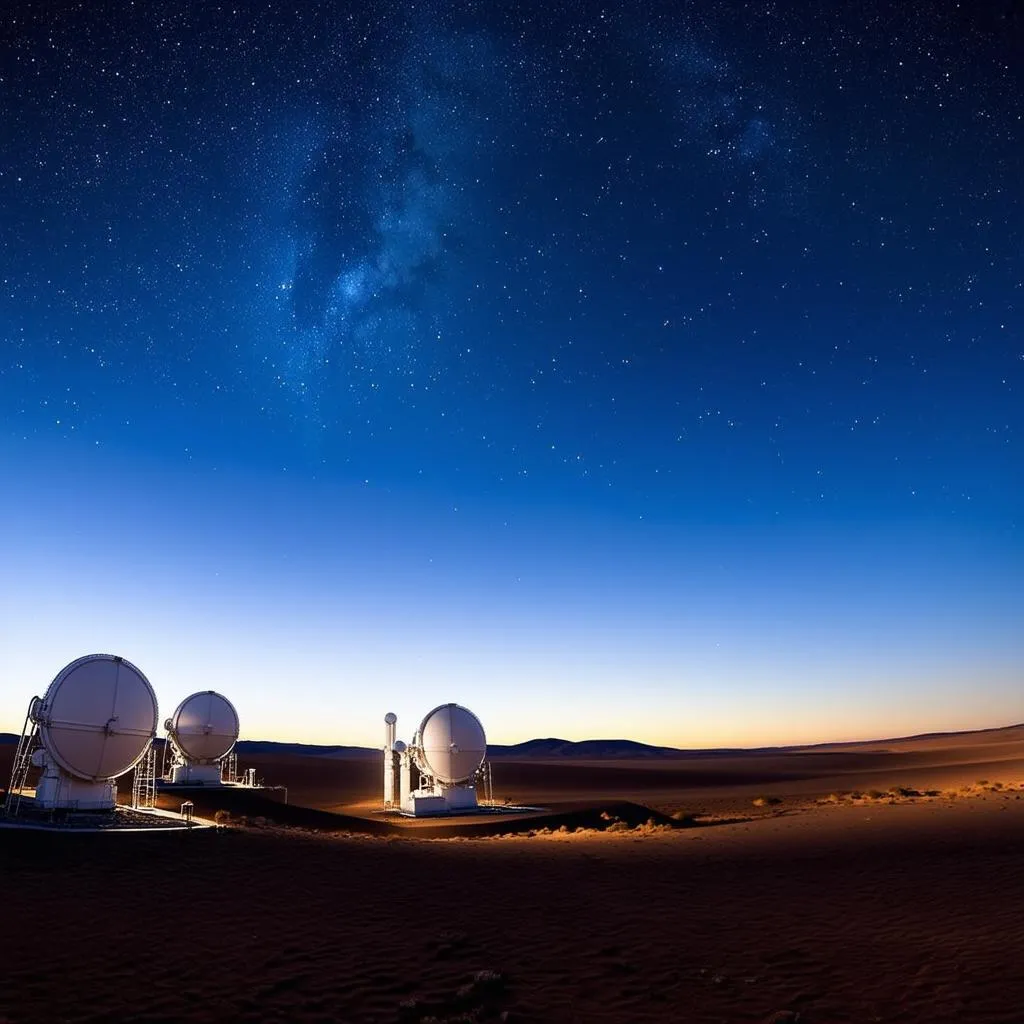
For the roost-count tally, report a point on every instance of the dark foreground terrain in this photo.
(888, 905)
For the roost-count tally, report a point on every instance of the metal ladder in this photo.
(229, 768)
(22, 759)
(167, 762)
(144, 783)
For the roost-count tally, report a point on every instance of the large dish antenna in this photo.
(204, 726)
(452, 744)
(97, 718)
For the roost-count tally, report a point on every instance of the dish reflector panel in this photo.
(453, 743)
(97, 717)
(205, 726)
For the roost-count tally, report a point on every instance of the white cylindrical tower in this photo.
(389, 759)
(404, 774)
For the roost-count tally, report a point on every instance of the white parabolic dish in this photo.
(452, 744)
(204, 726)
(97, 717)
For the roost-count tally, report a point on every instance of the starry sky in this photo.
(649, 370)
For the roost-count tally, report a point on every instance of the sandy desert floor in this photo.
(891, 905)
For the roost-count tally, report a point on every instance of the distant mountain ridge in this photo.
(553, 748)
(267, 747)
(583, 749)
(306, 749)
(550, 747)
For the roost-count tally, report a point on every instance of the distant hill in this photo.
(267, 747)
(594, 750)
(553, 748)
(539, 748)
(550, 748)
(306, 749)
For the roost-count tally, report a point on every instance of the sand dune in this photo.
(908, 913)
(694, 783)
(869, 909)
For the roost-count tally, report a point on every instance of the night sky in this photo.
(649, 370)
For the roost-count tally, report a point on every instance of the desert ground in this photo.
(866, 882)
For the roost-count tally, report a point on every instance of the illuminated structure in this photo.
(201, 736)
(96, 721)
(443, 768)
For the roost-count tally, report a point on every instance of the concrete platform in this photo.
(482, 814)
(120, 819)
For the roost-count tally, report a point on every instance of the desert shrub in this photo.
(766, 801)
(652, 827)
(874, 794)
(903, 791)
(618, 826)
(222, 817)
(982, 782)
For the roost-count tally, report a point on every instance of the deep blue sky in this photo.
(650, 370)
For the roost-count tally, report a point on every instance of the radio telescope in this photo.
(95, 722)
(201, 737)
(448, 755)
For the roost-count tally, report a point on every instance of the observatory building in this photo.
(200, 744)
(96, 721)
(442, 769)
